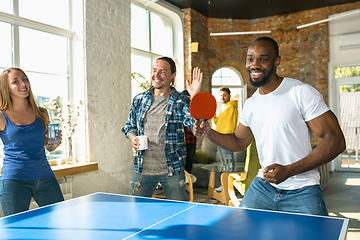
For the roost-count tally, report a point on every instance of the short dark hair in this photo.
(170, 61)
(272, 41)
(225, 89)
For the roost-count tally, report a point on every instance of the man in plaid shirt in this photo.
(161, 113)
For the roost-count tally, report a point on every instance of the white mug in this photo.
(143, 141)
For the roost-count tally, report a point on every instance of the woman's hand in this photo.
(58, 140)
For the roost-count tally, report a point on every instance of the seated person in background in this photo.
(281, 116)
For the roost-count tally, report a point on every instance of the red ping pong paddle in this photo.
(203, 106)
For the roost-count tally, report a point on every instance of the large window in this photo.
(151, 37)
(35, 37)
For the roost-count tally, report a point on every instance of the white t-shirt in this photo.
(278, 122)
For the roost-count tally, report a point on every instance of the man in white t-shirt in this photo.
(281, 116)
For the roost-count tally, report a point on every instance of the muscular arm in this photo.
(325, 126)
(233, 142)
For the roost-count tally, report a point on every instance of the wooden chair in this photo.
(189, 186)
(242, 183)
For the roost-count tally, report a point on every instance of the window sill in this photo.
(72, 169)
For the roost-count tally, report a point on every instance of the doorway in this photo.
(348, 110)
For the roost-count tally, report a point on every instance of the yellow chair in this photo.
(189, 186)
(241, 183)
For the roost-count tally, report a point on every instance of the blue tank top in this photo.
(24, 151)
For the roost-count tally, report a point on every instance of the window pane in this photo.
(216, 80)
(44, 59)
(215, 91)
(349, 103)
(160, 36)
(5, 45)
(5, 6)
(43, 52)
(142, 66)
(225, 77)
(139, 28)
(142, 54)
(52, 12)
(46, 89)
(349, 71)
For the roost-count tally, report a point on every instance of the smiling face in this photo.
(162, 77)
(19, 85)
(261, 63)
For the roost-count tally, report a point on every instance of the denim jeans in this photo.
(145, 185)
(15, 195)
(262, 195)
(225, 156)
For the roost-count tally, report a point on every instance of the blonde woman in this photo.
(26, 172)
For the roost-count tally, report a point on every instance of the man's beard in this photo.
(264, 81)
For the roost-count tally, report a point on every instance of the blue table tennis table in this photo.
(113, 216)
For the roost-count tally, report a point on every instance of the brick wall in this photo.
(194, 26)
(108, 92)
(304, 52)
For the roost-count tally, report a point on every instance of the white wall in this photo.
(106, 51)
(342, 26)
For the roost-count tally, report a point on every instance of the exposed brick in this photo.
(305, 52)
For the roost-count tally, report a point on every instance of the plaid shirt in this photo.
(177, 116)
(189, 137)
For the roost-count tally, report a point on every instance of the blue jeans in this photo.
(145, 185)
(15, 195)
(225, 155)
(262, 195)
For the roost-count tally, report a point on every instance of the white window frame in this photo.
(174, 16)
(16, 21)
(334, 97)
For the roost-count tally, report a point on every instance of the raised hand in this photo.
(195, 87)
